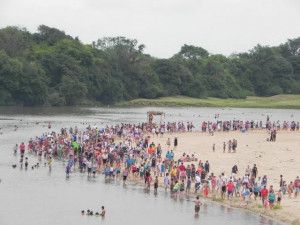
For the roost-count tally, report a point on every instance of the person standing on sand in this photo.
(296, 186)
(279, 197)
(175, 142)
(271, 199)
(234, 170)
(230, 188)
(254, 170)
(229, 146)
(168, 143)
(197, 206)
(290, 189)
(264, 194)
(205, 189)
(246, 195)
(223, 190)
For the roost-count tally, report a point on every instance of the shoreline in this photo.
(283, 101)
(273, 102)
(225, 203)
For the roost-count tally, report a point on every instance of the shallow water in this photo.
(39, 197)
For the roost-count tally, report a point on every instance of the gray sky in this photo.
(219, 26)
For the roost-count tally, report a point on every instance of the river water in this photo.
(39, 197)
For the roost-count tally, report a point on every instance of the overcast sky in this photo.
(219, 26)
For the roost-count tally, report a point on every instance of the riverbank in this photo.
(275, 102)
(271, 158)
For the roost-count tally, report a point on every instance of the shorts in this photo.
(205, 192)
(296, 190)
(255, 193)
(104, 161)
(197, 208)
(89, 170)
(124, 178)
(229, 192)
(223, 189)
(271, 201)
(278, 199)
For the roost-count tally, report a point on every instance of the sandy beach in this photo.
(271, 158)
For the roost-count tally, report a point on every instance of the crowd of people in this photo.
(126, 151)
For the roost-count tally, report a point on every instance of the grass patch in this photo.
(277, 207)
(218, 199)
(260, 206)
(277, 101)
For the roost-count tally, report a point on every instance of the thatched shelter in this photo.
(150, 115)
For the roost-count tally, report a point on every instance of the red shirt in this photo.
(264, 192)
(230, 186)
(296, 183)
(182, 167)
(22, 147)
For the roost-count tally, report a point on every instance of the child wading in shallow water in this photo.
(50, 163)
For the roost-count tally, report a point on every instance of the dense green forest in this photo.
(52, 68)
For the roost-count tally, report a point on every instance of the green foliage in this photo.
(15, 42)
(193, 52)
(277, 207)
(50, 67)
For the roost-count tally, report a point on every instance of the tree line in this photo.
(53, 68)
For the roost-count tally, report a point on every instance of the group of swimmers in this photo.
(91, 213)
